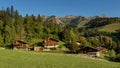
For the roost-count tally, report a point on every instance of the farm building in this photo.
(94, 52)
(37, 48)
(19, 45)
(50, 43)
(91, 51)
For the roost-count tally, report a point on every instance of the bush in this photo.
(112, 55)
(117, 59)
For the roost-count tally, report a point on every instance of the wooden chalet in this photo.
(50, 43)
(18, 44)
(94, 52)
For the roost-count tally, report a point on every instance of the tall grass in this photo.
(25, 59)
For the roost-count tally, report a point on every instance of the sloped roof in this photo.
(21, 41)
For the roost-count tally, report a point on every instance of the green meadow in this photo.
(30, 59)
(110, 27)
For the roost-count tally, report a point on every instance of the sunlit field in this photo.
(28, 59)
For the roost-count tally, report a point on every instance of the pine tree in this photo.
(12, 11)
(8, 10)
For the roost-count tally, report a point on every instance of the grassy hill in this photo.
(110, 27)
(26, 59)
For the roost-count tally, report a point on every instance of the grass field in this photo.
(28, 59)
(110, 28)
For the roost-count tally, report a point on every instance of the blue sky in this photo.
(65, 7)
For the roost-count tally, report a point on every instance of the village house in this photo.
(18, 44)
(93, 52)
(50, 43)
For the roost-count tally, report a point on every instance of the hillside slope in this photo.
(110, 27)
(25, 59)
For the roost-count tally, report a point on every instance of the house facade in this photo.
(93, 52)
(50, 43)
(18, 44)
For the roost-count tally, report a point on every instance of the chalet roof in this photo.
(89, 49)
(53, 39)
(21, 41)
(50, 42)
